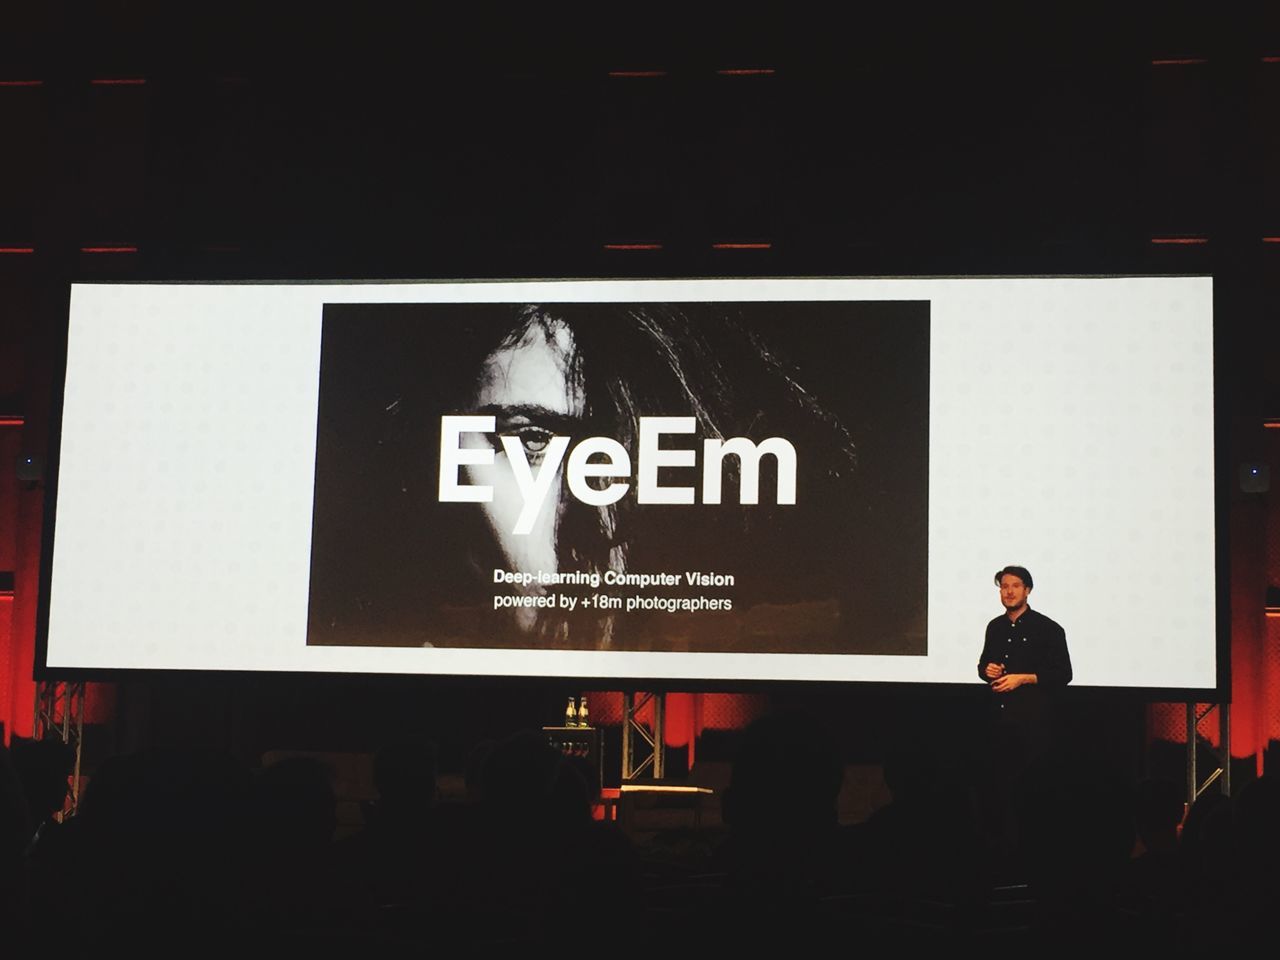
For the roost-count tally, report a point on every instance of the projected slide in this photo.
(621, 476)
(711, 480)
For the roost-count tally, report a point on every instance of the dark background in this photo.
(286, 141)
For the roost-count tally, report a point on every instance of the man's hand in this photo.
(993, 670)
(1011, 681)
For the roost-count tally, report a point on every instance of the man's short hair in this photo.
(1022, 573)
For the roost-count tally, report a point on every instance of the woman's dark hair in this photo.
(630, 361)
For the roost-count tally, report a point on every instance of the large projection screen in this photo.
(702, 480)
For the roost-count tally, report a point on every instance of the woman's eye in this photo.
(534, 439)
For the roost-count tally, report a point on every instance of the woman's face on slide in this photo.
(525, 387)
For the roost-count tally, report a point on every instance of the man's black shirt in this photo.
(1031, 644)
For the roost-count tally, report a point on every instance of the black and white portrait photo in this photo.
(695, 477)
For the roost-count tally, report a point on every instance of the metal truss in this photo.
(60, 713)
(651, 758)
(1221, 754)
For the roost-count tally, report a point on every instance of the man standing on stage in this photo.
(1024, 661)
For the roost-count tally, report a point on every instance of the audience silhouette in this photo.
(186, 850)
